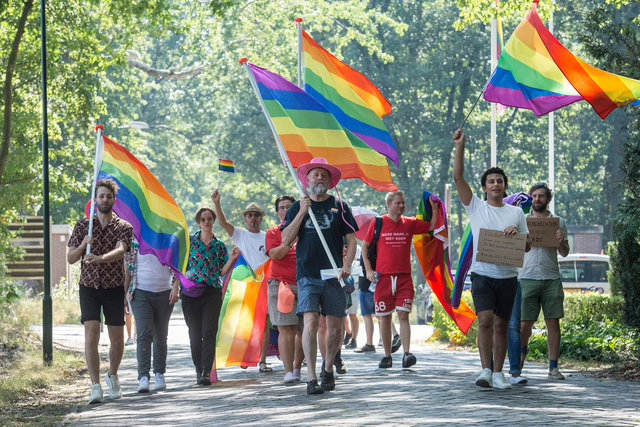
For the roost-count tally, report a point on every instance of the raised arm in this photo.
(222, 219)
(290, 232)
(464, 191)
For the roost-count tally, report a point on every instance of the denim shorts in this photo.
(324, 296)
(367, 305)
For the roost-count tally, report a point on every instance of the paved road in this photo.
(439, 389)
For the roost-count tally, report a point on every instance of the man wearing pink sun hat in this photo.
(320, 293)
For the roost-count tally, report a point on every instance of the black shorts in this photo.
(493, 294)
(111, 300)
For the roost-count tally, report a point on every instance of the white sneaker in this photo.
(96, 395)
(296, 374)
(160, 383)
(114, 386)
(143, 385)
(499, 380)
(288, 378)
(518, 380)
(554, 374)
(484, 379)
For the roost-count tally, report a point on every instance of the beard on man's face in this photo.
(319, 189)
(539, 207)
(104, 209)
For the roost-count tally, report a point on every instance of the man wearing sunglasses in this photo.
(251, 243)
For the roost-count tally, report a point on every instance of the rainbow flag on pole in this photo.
(434, 259)
(242, 316)
(354, 101)
(537, 72)
(226, 165)
(158, 222)
(307, 130)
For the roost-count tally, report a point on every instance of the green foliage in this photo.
(449, 332)
(592, 330)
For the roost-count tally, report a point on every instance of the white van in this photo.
(583, 272)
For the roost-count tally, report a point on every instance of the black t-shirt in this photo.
(310, 255)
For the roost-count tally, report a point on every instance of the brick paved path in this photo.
(439, 389)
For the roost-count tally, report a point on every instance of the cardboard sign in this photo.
(496, 248)
(542, 231)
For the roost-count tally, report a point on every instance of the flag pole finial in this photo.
(243, 60)
(99, 127)
(298, 20)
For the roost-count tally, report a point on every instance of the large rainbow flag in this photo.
(307, 130)
(242, 316)
(158, 222)
(434, 259)
(537, 72)
(354, 101)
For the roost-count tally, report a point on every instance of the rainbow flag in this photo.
(465, 259)
(354, 101)
(434, 259)
(308, 130)
(226, 165)
(242, 316)
(158, 222)
(537, 72)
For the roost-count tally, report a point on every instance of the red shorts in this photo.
(393, 292)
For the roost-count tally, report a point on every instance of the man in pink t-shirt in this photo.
(394, 286)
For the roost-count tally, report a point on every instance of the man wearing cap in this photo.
(318, 292)
(251, 243)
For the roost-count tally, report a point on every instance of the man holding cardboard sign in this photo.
(493, 286)
(540, 279)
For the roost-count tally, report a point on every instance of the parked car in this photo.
(424, 304)
(585, 273)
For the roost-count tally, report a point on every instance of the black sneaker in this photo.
(341, 367)
(328, 381)
(347, 338)
(396, 343)
(408, 360)
(314, 388)
(386, 362)
(367, 348)
(352, 344)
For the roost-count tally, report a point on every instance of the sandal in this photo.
(264, 367)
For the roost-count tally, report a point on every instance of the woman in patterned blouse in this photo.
(208, 262)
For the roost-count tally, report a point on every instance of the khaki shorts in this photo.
(547, 294)
(278, 318)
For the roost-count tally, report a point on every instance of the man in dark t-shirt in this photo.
(102, 284)
(319, 290)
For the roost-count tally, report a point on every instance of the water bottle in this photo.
(372, 286)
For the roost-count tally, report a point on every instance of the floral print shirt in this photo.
(206, 261)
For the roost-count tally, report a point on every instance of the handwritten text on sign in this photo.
(543, 231)
(496, 248)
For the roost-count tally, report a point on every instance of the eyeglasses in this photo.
(284, 208)
(252, 215)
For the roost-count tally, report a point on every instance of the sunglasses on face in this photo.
(252, 215)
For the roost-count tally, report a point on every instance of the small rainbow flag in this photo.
(158, 223)
(242, 316)
(354, 101)
(226, 165)
(537, 72)
(434, 259)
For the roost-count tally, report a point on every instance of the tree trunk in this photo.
(7, 90)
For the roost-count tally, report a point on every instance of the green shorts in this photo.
(547, 294)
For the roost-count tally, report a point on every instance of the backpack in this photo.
(363, 282)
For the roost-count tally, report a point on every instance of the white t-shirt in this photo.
(483, 215)
(251, 245)
(151, 274)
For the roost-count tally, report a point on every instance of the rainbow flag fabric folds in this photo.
(434, 259)
(226, 165)
(158, 223)
(307, 130)
(242, 316)
(537, 72)
(354, 101)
